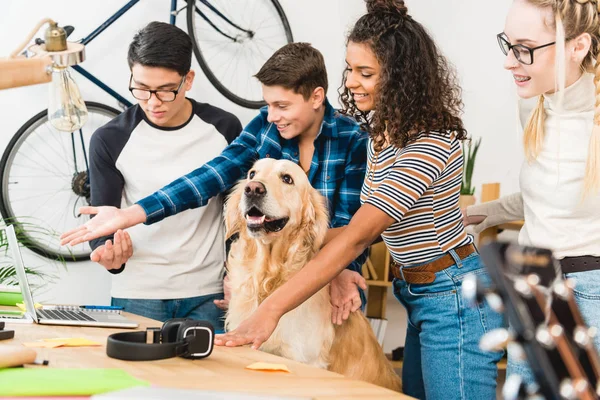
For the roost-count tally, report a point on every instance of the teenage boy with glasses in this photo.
(177, 267)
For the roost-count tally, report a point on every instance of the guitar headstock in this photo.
(545, 320)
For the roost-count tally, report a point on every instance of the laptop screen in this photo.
(20, 269)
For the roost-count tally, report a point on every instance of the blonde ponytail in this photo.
(533, 134)
(591, 181)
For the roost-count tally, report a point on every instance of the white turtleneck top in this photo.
(556, 216)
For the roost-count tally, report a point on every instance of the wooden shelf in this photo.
(400, 363)
(379, 283)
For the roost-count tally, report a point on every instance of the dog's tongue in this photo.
(255, 220)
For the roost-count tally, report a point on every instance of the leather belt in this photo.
(579, 264)
(426, 273)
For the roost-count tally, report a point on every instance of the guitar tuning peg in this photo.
(471, 290)
(581, 387)
(516, 351)
(533, 279)
(495, 340)
(567, 390)
(475, 293)
(514, 388)
(592, 331)
(563, 288)
(583, 336)
(522, 287)
(545, 336)
(495, 302)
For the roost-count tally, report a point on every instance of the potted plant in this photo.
(467, 190)
(9, 284)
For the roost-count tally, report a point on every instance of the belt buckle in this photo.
(395, 269)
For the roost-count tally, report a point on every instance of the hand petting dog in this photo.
(254, 330)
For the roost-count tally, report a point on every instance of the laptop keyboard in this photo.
(64, 315)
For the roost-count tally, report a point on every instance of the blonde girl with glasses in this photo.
(552, 49)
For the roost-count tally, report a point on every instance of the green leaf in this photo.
(25, 226)
(469, 155)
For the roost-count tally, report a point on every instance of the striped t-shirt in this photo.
(418, 186)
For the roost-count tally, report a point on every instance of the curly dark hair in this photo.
(417, 90)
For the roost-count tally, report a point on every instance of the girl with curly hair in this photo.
(404, 92)
(552, 49)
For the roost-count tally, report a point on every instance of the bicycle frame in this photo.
(172, 20)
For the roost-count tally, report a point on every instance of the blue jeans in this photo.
(442, 359)
(587, 297)
(201, 308)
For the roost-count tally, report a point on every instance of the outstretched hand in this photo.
(107, 221)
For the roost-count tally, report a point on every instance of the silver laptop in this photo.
(54, 316)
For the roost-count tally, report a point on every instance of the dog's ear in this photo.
(234, 220)
(316, 214)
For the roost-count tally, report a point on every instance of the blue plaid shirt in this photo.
(337, 169)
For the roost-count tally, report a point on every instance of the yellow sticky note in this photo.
(263, 366)
(73, 342)
(22, 306)
(47, 345)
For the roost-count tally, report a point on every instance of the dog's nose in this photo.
(255, 189)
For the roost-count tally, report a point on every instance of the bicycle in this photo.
(42, 167)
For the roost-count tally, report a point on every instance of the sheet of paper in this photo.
(263, 366)
(23, 308)
(64, 381)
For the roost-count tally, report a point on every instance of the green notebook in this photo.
(10, 298)
(64, 381)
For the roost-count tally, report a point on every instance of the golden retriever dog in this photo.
(281, 222)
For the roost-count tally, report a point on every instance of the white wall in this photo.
(464, 29)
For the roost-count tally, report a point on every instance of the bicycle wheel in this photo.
(44, 181)
(233, 39)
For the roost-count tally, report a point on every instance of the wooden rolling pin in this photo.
(14, 356)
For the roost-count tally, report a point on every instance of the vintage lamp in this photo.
(49, 61)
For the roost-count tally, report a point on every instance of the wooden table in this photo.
(223, 370)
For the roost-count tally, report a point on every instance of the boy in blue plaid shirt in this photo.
(298, 124)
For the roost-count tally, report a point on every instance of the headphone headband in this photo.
(179, 337)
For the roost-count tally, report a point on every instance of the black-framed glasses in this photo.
(522, 53)
(163, 95)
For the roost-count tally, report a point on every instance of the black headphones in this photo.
(181, 337)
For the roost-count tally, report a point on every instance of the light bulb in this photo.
(66, 109)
